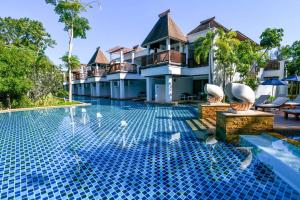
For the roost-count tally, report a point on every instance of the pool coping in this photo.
(282, 137)
(45, 107)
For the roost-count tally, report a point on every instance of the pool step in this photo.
(282, 157)
(202, 124)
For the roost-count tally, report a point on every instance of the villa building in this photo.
(163, 69)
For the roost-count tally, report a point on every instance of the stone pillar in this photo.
(122, 89)
(111, 89)
(169, 88)
(149, 88)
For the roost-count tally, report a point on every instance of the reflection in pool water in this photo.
(130, 150)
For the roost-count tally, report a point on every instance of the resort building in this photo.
(163, 69)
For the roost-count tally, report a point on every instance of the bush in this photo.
(62, 93)
(23, 102)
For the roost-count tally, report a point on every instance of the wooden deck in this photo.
(286, 126)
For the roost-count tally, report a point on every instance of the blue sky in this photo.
(127, 22)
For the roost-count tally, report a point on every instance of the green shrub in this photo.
(23, 102)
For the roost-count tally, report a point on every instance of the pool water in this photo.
(124, 150)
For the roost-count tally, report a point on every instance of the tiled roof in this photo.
(98, 58)
(117, 49)
(212, 23)
(165, 27)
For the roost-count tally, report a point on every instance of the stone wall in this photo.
(230, 125)
(209, 110)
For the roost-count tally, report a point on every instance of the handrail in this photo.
(167, 56)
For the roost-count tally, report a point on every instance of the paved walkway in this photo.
(286, 126)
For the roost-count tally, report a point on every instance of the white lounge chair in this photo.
(277, 103)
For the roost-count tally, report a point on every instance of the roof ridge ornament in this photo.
(164, 13)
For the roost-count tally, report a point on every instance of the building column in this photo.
(169, 88)
(149, 88)
(122, 89)
(82, 88)
(168, 44)
(92, 89)
(186, 50)
(111, 89)
(97, 89)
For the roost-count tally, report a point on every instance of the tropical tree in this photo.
(271, 38)
(222, 45)
(25, 32)
(26, 73)
(292, 55)
(69, 12)
(15, 68)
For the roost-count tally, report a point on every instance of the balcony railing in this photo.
(171, 56)
(122, 67)
(272, 65)
(80, 76)
(96, 72)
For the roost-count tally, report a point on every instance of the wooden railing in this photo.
(164, 57)
(122, 67)
(272, 65)
(80, 76)
(96, 72)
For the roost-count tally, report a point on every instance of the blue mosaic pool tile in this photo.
(81, 154)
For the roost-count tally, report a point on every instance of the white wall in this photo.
(271, 73)
(281, 90)
(181, 85)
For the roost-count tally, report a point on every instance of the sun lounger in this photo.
(295, 112)
(277, 103)
(294, 103)
(261, 100)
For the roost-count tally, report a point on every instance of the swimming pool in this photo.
(123, 150)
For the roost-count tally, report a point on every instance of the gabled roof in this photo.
(98, 58)
(212, 23)
(165, 27)
(117, 49)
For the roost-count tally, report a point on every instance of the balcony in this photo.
(163, 57)
(96, 72)
(122, 67)
(272, 65)
(80, 76)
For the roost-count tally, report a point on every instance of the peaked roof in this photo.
(165, 27)
(212, 23)
(98, 58)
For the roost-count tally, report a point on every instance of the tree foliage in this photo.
(232, 55)
(26, 73)
(25, 32)
(271, 38)
(69, 12)
(292, 55)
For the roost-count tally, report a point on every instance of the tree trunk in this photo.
(70, 47)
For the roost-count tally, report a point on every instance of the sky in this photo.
(127, 22)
